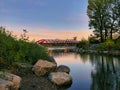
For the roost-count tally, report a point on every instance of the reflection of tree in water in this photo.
(106, 75)
(61, 54)
(84, 57)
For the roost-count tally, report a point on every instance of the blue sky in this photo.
(39, 15)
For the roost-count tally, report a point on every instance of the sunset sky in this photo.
(50, 19)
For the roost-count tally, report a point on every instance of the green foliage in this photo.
(13, 50)
(83, 44)
(108, 44)
(104, 18)
(117, 43)
(93, 40)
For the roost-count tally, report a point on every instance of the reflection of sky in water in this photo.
(80, 69)
(81, 76)
(91, 71)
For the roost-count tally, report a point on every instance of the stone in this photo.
(9, 80)
(43, 67)
(60, 78)
(5, 85)
(63, 68)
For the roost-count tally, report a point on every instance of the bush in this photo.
(93, 40)
(108, 45)
(83, 44)
(117, 42)
(13, 50)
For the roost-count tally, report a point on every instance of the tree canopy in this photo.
(104, 18)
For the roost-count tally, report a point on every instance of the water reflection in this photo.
(91, 71)
(106, 75)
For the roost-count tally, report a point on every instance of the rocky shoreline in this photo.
(44, 75)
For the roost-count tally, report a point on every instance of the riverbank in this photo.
(107, 52)
(41, 76)
(31, 82)
(28, 61)
(18, 57)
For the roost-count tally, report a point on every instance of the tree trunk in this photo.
(111, 34)
(106, 33)
(101, 34)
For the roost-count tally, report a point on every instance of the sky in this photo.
(48, 19)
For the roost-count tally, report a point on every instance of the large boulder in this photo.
(5, 85)
(10, 81)
(43, 67)
(63, 68)
(60, 78)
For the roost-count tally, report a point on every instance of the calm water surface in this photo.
(90, 71)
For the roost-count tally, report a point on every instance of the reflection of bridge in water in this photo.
(65, 49)
(62, 48)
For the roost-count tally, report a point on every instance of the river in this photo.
(91, 71)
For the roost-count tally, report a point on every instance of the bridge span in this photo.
(57, 44)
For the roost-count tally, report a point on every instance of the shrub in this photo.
(13, 50)
(117, 42)
(83, 44)
(93, 40)
(108, 45)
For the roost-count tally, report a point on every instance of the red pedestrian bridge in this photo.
(57, 42)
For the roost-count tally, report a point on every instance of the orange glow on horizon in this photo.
(48, 34)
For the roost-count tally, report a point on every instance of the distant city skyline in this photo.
(53, 19)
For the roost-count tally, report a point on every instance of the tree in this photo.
(104, 17)
(114, 19)
(97, 15)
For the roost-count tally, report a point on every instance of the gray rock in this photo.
(43, 67)
(5, 85)
(9, 81)
(63, 68)
(60, 78)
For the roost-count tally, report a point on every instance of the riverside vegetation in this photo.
(104, 20)
(19, 50)
(31, 62)
(107, 45)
